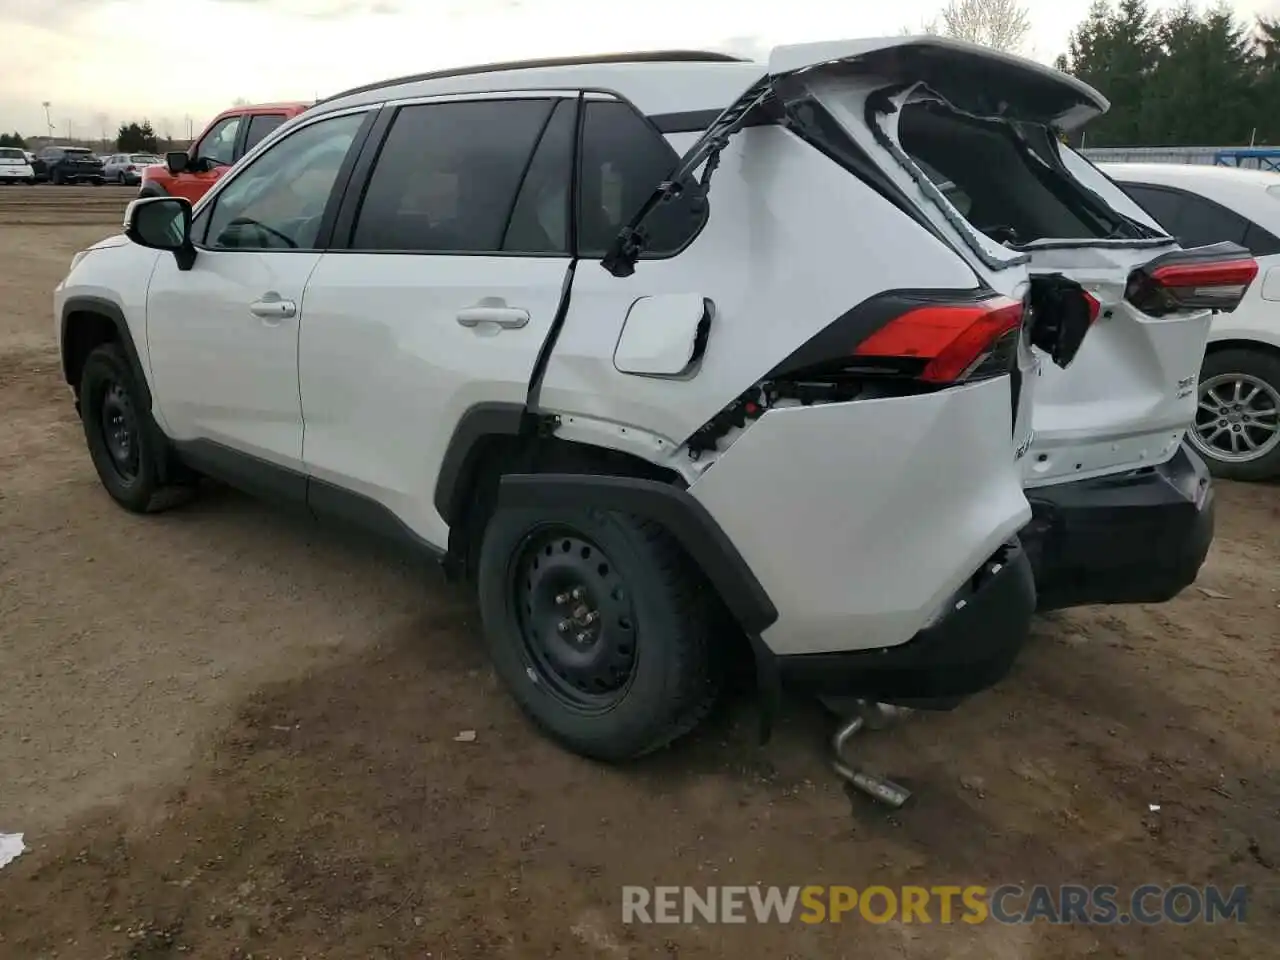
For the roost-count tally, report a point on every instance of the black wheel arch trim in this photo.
(453, 481)
(113, 313)
(677, 510)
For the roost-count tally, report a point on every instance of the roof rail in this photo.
(647, 56)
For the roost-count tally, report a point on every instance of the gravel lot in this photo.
(230, 733)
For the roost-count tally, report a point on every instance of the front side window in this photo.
(219, 144)
(624, 159)
(447, 176)
(277, 202)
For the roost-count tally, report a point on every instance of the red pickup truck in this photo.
(227, 138)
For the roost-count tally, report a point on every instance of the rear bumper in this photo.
(965, 651)
(1136, 538)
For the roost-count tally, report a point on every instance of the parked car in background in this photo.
(1237, 427)
(70, 165)
(227, 138)
(126, 168)
(14, 166)
(527, 330)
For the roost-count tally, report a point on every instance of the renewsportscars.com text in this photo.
(972, 904)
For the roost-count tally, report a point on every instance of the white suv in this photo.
(495, 314)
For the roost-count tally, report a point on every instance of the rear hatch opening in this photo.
(999, 177)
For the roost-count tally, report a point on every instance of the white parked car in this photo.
(1237, 428)
(14, 166)
(642, 339)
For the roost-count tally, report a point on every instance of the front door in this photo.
(223, 336)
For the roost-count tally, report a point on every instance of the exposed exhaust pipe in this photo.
(875, 716)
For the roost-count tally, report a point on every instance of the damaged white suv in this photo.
(788, 386)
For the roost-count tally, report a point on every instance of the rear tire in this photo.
(1251, 415)
(634, 670)
(123, 443)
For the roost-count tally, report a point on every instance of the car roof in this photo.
(657, 82)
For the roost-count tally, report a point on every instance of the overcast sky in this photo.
(180, 60)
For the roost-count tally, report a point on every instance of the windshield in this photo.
(143, 158)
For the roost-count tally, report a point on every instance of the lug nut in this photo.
(579, 593)
(561, 599)
(563, 626)
(582, 638)
(590, 617)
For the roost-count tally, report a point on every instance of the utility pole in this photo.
(48, 120)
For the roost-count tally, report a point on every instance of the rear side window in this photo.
(1203, 222)
(447, 177)
(540, 218)
(1163, 205)
(1197, 221)
(624, 158)
(259, 126)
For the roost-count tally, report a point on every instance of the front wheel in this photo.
(1237, 425)
(599, 627)
(123, 449)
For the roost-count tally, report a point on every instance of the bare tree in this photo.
(999, 24)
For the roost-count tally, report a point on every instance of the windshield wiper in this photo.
(620, 259)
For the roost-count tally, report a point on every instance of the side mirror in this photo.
(177, 162)
(162, 223)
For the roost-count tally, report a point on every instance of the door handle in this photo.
(272, 307)
(508, 318)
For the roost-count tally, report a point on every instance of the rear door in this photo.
(446, 270)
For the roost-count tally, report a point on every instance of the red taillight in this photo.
(1206, 278)
(951, 339)
(1229, 274)
(1092, 304)
(130, 169)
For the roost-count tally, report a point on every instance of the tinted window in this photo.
(447, 175)
(623, 160)
(277, 202)
(1163, 205)
(259, 126)
(9, 153)
(1203, 222)
(1261, 243)
(540, 218)
(219, 143)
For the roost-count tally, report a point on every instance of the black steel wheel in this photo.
(119, 424)
(599, 626)
(126, 448)
(576, 617)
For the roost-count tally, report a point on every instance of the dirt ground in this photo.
(228, 733)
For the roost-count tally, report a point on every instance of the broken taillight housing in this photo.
(1215, 277)
(942, 343)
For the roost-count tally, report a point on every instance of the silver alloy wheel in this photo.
(1238, 418)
